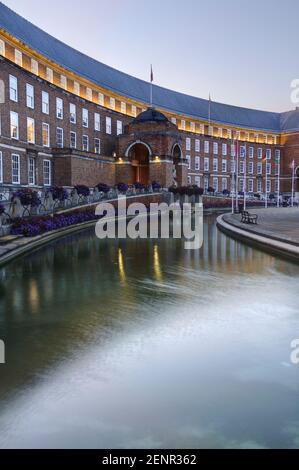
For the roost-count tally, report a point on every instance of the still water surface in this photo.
(144, 344)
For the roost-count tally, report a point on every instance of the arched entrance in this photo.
(139, 156)
(177, 156)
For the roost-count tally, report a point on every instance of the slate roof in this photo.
(131, 87)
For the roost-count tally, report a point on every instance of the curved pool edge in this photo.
(266, 243)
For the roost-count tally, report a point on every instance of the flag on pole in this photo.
(152, 74)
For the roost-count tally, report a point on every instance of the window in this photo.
(197, 163)
(259, 153)
(268, 154)
(73, 113)
(101, 99)
(59, 108)
(259, 186)
(97, 146)
(207, 146)
(202, 128)
(2, 49)
(73, 140)
(224, 166)
(188, 144)
(31, 171)
(97, 122)
(197, 145)
(13, 88)
(229, 133)
(76, 88)
(1, 168)
(233, 167)
(119, 126)
(63, 82)
(112, 103)
(206, 164)
(224, 150)
(123, 107)
(29, 96)
(206, 184)
(134, 111)
(250, 186)
(233, 150)
(173, 120)
(18, 57)
(197, 181)
(45, 102)
(108, 125)
(30, 131)
(189, 179)
(215, 184)
(220, 133)
(224, 184)
(85, 117)
(89, 94)
(242, 167)
(211, 131)
(277, 156)
(183, 124)
(59, 137)
(85, 143)
(259, 168)
(268, 166)
(46, 134)
(250, 168)
(188, 158)
(241, 185)
(47, 172)
(49, 75)
(192, 126)
(243, 151)
(34, 66)
(215, 164)
(251, 152)
(14, 125)
(15, 162)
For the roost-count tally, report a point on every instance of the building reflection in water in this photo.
(157, 264)
(121, 267)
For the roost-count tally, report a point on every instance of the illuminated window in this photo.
(101, 99)
(229, 133)
(112, 103)
(13, 88)
(202, 128)
(183, 124)
(49, 75)
(29, 96)
(73, 113)
(63, 82)
(2, 47)
(34, 66)
(18, 57)
(108, 125)
(211, 131)
(76, 88)
(46, 134)
(220, 132)
(31, 171)
(123, 107)
(14, 125)
(192, 126)
(30, 131)
(134, 111)
(233, 150)
(173, 120)
(89, 94)
(16, 173)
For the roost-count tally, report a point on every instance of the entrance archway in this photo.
(139, 156)
(177, 156)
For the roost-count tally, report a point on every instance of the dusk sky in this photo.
(242, 52)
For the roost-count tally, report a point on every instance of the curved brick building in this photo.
(68, 119)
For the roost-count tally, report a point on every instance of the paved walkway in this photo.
(277, 229)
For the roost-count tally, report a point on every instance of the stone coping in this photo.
(278, 238)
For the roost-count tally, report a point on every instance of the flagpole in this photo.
(237, 175)
(278, 182)
(233, 181)
(245, 176)
(266, 194)
(151, 86)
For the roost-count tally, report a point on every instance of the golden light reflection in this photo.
(33, 296)
(121, 268)
(157, 265)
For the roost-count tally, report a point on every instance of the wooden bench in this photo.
(248, 218)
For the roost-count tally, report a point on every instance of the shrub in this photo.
(173, 189)
(103, 188)
(58, 193)
(211, 190)
(28, 197)
(139, 186)
(156, 186)
(82, 190)
(122, 187)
